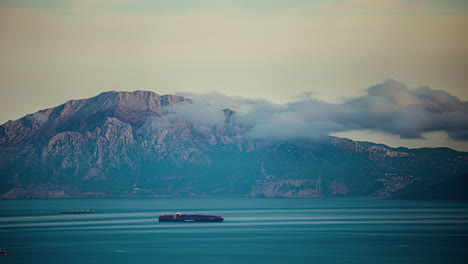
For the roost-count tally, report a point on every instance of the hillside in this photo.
(133, 144)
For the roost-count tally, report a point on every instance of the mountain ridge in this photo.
(135, 144)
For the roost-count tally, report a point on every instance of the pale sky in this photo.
(52, 51)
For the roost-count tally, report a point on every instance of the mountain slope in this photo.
(122, 143)
(452, 189)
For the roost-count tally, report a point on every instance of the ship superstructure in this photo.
(180, 217)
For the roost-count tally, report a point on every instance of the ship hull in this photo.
(191, 218)
(77, 212)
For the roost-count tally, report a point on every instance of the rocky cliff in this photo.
(132, 143)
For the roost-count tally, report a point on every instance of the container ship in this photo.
(180, 217)
(77, 211)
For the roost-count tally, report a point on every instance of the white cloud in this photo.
(389, 107)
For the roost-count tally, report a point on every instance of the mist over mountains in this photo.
(389, 107)
(143, 144)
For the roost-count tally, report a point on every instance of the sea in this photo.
(255, 230)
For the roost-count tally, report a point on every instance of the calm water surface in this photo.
(126, 230)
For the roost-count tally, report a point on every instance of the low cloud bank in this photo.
(389, 107)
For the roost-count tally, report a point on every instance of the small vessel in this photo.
(3, 252)
(77, 211)
(180, 217)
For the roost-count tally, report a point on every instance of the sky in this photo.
(387, 71)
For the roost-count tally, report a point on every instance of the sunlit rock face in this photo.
(135, 144)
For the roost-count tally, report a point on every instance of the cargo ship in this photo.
(3, 252)
(180, 217)
(78, 211)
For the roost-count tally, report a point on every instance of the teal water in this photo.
(126, 230)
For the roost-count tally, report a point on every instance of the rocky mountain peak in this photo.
(127, 143)
(83, 115)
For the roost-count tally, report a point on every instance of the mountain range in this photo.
(134, 144)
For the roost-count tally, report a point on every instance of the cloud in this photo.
(322, 7)
(55, 50)
(207, 109)
(392, 108)
(388, 107)
(198, 113)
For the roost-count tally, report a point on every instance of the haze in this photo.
(303, 60)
